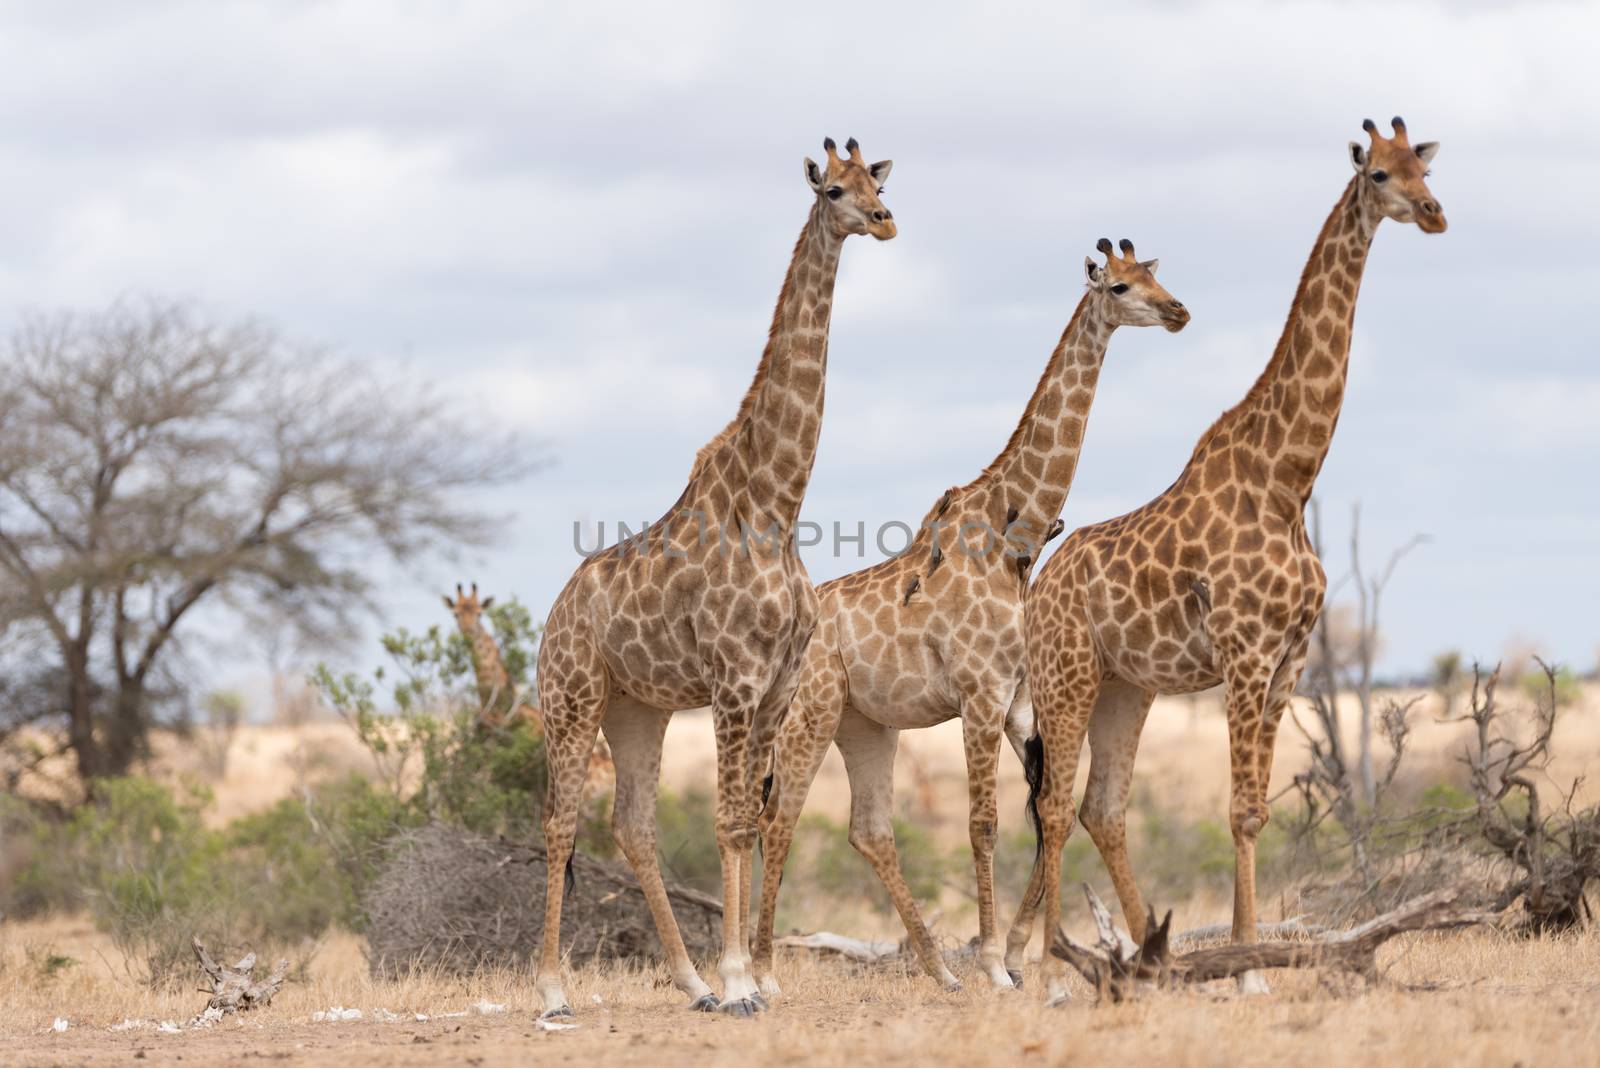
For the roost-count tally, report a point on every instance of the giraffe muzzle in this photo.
(1430, 219)
(1175, 317)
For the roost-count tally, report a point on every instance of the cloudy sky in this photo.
(576, 217)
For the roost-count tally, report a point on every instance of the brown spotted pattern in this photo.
(713, 608)
(885, 660)
(1213, 581)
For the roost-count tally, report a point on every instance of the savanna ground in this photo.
(1467, 998)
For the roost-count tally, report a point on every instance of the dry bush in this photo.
(460, 903)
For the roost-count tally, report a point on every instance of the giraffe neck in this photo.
(1033, 473)
(766, 453)
(494, 682)
(1286, 421)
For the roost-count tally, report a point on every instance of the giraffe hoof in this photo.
(704, 1003)
(560, 1012)
(1016, 978)
(743, 1008)
(1058, 1001)
(759, 1002)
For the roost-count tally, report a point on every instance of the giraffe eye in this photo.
(835, 192)
(1120, 288)
(1380, 176)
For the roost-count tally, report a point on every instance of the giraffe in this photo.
(1213, 581)
(499, 703)
(710, 606)
(936, 632)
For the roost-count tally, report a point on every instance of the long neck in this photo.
(494, 683)
(1034, 472)
(1286, 421)
(766, 453)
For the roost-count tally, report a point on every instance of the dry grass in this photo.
(1499, 1002)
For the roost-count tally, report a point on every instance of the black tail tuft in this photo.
(571, 879)
(1033, 771)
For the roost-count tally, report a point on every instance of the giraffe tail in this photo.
(1033, 772)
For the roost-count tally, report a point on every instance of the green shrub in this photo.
(434, 757)
(686, 838)
(833, 867)
(151, 874)
(1536, 686)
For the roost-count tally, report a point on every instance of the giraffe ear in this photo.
(448, 603)
(486, 602)
(1150, 265)
(1093, 270)
(1427, 150)
(880, 170)
(813, 175)
(1358, 157)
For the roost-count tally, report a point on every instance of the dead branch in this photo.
(233, 989)
(855, 949)
(1293, 927)
(1118, 972)
(1557, 854)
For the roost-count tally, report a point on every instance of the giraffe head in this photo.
(848, 189)
(467, 608)
(1131, 293)
(1391, 172)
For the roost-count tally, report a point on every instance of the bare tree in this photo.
(153, 462)
(1344, 658)
(1554, 850)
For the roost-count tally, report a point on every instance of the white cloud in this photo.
(580, 214)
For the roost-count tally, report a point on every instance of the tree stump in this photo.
(233, 989)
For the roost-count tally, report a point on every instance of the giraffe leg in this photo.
(1064, 678)
(868, 751)
(761, 764)
(1114, 729)
(982, 727)
(1249, 680)
(734, 712)
(802, 743)
(1279, 693)
(635, 732)
(572, 720)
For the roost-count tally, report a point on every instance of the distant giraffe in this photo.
(1213, 581)
(936, 633)
(499, 701)
(711, 606)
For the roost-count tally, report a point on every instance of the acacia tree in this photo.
(154, 462)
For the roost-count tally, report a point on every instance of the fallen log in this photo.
(855, 949)
(1119, 970)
